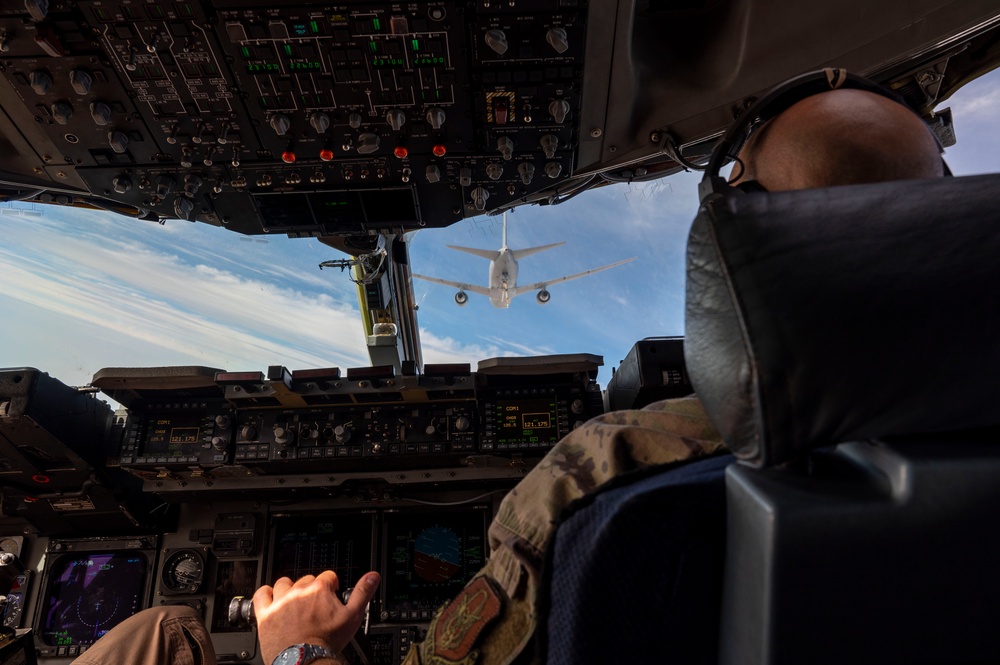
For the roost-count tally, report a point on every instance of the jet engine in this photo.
(461, 298)
(543, 297)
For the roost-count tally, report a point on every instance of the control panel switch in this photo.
(557, 39)
(479, 196)
(62, 112)
(81, 80)
(526, 171)
(465, 177)
(396, 119)
(280, 123)
(506, 147)
(320, 121)
(41, 82)
(101, 113)
(494, 171)
(559, 108)
(118, 141)
(121, 184)
(436, 117)
(433, 173)
(368, 143)
(549, 143)
(553, 169)
(497, 40)
(183, 207)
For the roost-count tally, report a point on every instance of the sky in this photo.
(83, 290)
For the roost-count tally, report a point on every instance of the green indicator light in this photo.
(288, 49)
(423, 94)
(416, 44)
(264, 101)
(314, 26)
(245, 51)
(373, 46)
(437, 94)
(377, 24)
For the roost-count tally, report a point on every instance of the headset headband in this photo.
(775, 102)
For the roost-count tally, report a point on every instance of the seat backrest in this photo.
(863, 316)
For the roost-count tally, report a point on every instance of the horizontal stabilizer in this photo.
(488, 254)
(521, 253)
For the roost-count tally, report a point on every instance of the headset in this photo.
(781, 98)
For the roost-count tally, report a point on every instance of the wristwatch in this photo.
(301, 654)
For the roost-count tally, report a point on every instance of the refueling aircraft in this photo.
(503, 274)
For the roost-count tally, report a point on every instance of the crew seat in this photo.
(846, 343)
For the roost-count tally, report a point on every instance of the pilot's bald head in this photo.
(841, 137)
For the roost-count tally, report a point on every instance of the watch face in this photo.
(302, 654)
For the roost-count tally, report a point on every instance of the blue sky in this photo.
(82, 290)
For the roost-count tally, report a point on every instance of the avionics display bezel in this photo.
(506, 409)
(310, 527)
(405, 598)
(58, 562)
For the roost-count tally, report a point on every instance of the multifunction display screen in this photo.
(532, 421)
(173, 435)
(308, 545)
(89, 594)
(429, 557)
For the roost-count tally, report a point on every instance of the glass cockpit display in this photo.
(310, 544)
(173, 435)
(531, 422)
(89, 594)
(429, 557)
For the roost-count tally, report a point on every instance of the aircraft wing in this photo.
(559, 280)
(481, 290)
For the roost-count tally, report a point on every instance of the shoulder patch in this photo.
(457, 628)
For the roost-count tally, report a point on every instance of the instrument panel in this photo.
(221, 481)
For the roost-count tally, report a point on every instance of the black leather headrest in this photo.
(821, 316)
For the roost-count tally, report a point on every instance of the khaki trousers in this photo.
(169, 635)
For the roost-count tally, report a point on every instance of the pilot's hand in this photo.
(309, 611)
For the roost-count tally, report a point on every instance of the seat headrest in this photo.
(821, 316)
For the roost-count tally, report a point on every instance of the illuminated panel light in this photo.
(326, 155)
(288, 157)
(439, 150)
(401, 152)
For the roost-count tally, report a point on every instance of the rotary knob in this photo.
(101, 113)
(368, 143)
(479, 196)
(41, 82)
(342, 433)
(506, 147)
(118, 141)
(320, 121)
(354, 120)
(220, 442)
(553, 169)
(121, 184)
(494, 171)
(280, 123)
(557, 39)
(284, 436)
(396, 119)
(559, 108)
(462, 423)
(62, 112)
(526, 171)
(81, 81)
(549, 143)
(183, 207)
(497, 40)
(248, 432)
(435, 117)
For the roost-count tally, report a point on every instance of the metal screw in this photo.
(654, 137)
(596, 133)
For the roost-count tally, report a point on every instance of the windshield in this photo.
(84, 290)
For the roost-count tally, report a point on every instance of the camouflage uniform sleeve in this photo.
(492, 619)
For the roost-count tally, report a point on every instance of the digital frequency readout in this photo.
(530, 421)
(173, 436)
